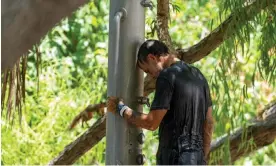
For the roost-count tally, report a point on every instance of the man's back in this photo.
(184, 92)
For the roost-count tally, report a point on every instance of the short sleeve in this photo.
(163, 94)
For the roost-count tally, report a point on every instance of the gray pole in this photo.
(126, 32)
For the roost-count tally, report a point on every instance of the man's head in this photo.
(151, 57)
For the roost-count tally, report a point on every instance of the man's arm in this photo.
(149, 121)
(207, 132)
(159, 106)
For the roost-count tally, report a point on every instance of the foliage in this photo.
(73, 74)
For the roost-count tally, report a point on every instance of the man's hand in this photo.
(112, 103)
(116, 105)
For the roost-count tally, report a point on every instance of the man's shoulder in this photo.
(171, 72)
(168, 72)
(174, 69)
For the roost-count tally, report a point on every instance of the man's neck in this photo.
(169, 60)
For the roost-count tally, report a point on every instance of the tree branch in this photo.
(210, 42)
(222, 32)
(163, 16)
(262, 132)
(80, 146)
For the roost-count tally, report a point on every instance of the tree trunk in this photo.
(25, 22)
(163, 15)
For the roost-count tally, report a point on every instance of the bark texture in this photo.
(25, 22)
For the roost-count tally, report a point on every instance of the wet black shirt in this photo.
(183, 91)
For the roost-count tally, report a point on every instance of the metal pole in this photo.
(126, 32)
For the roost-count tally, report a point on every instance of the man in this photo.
(181, 107)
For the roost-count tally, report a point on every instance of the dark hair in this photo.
(155, 47)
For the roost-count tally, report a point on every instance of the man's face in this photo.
(152, 66)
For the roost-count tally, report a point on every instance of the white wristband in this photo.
(123, 110)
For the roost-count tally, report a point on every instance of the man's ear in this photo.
(152, 57)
